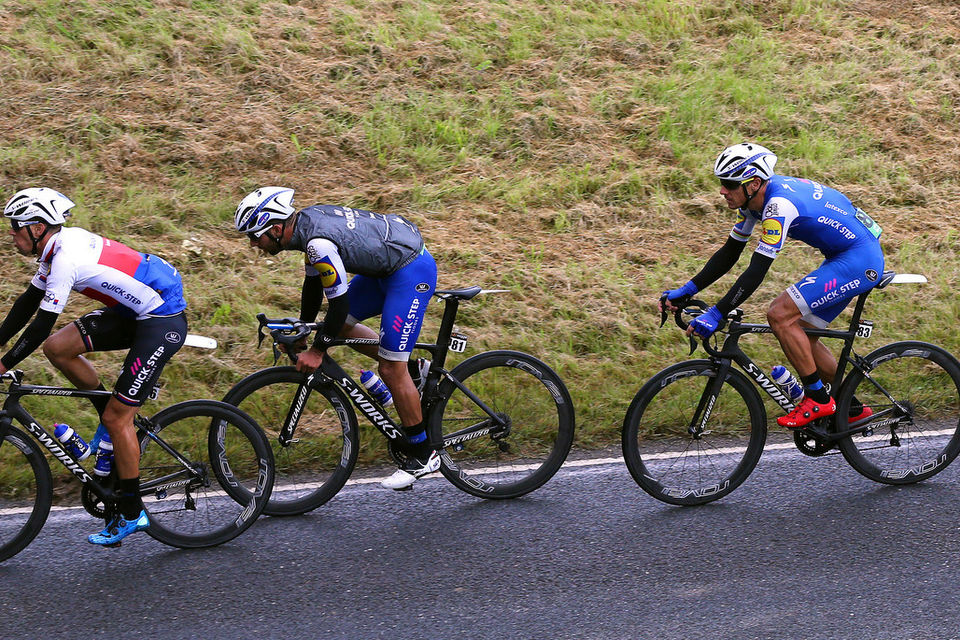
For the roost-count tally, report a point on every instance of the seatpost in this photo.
(450, 306)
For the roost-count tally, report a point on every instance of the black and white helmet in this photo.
(38, 204)
(262, 208)
(744, 161)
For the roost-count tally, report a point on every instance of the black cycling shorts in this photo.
(152, 342)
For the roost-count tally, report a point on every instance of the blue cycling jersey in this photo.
(806, 210)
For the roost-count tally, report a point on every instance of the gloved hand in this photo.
(679, 297)
(705, 324)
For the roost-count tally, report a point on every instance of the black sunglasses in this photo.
(730, 185)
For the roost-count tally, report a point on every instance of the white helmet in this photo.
(744, 161)
(38, 204)
(262, 208)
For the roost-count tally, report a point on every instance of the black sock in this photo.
(417, 439)
(814, 389)
(129, 503)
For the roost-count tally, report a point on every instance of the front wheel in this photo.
(206, 472)
(913, 391)
(685, 446)
(522, 444)
(315, 463)
(26, 491)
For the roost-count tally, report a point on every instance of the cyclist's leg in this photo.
(155, 341)
(366, 301)
(99, 330)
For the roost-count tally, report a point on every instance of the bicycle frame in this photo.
(731, 352)
(13, 410)
(332, 372)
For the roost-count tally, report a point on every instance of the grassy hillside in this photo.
(561, 150)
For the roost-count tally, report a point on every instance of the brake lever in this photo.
(664, 313)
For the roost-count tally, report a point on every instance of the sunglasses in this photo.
(255, 235)
(16, 225)
(730, 185)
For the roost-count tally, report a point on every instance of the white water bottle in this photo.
(377, 387)
(72, 441)
(785, 380)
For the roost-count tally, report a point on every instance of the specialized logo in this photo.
(772, 231)
(807, 280)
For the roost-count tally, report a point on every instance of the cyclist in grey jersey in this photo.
(395, 277)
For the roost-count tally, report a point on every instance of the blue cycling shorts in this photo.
(827, 291)
(400, 299)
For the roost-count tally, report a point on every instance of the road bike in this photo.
(696, 430)
(193, 454)
(502, 420)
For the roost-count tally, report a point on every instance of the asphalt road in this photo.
(804, 549)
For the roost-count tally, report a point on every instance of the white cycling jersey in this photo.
(108, 271)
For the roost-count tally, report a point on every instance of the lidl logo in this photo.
(772, 231)
(328, 275)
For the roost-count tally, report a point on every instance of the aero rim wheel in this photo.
(918, 433)
(313, 466)
(226, 485)
(503, 460)
(679, 458)
(25, 492)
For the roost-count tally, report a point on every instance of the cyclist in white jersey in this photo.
(821, 217)
(144, 312)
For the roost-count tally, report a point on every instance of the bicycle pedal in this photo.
(409, 487)
(115, 545)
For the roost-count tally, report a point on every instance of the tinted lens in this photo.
(730, 185)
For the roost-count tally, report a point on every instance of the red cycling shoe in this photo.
(806, 412)
(866, 412)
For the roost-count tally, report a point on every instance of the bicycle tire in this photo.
(24, 506)
(233, 486)
(541, 421)
(925, 380)
(315, 466)
(676, 467)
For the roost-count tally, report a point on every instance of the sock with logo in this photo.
(814, 389)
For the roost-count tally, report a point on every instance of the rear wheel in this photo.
(26, 491)
(206, 472)
(316, 463)
(523, 446)
(913, 391)
(678, 455)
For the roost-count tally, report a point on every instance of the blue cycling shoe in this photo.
(118, 529)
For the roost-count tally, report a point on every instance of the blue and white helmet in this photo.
(263, 208)
(745, 161)
(38, 204)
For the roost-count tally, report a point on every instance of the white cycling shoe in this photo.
(408, 473)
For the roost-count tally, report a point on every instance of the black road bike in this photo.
(194, 455)
(696, 430)
(503, 420)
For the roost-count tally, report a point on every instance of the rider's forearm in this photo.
(719, 263)
(311, 295)
(337, 310)
(32, 338)
(20, 313)
(746, 284)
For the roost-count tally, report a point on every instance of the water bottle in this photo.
(104, 462)
(72, 441)
(785, 380)
(376, 387)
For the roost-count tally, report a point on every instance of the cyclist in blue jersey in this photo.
(395, 277)
(821, 217)
(144, 313)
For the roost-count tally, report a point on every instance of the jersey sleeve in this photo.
(743, 228)
(57, 279)
(778, 214)
(323, 260)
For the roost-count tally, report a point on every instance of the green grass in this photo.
(561, 150)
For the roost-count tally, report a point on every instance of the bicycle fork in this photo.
(698, 424)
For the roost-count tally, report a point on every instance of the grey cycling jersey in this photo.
(371, 244)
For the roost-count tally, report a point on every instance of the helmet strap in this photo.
(36, 239)
(747, 195)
